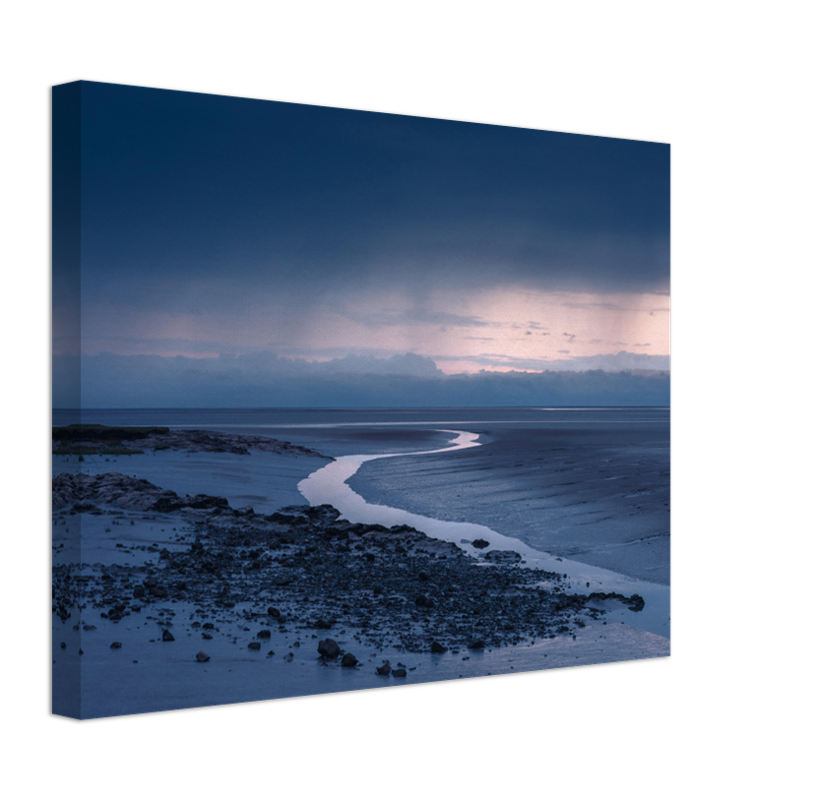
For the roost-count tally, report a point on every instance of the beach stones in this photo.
(166, 636)
(636, 603)
(116, 646)
(201, 657)
(328, 648)
(415, 587)
(503, 556)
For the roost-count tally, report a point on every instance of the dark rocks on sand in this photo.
(349, 660)
(322, 625)
(206, 635)
(273, 612)
(503, 556)
(270, 654)
(481, 543)
(328, 648)
(424, 602)
(478, 644)
(116, 646)
(423, 576)
(166, 636)
(385, 669)
(436, 647)
(264, 634)
(254, 645)
(636, 603)
(399, 673)
(201, 656)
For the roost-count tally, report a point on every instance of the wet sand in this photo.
(148, 674)
(597, 494)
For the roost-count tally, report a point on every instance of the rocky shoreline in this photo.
(306, 572)
(104, 439)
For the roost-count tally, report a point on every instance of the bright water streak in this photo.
(328, 486)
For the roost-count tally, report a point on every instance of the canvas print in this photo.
(347, 400)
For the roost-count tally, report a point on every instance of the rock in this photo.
(636, 603)
(150, 583)
(322, 625)
(254, 645)
(399, 673)
(436, 647)
(349, 660)
(273, 612)
(206, 635)
(166, 636)
(264, 634)
(423, 576)
(62, 645)
(116, 646)
(424, 602)
(201, 656)
(503, 556)
(270, 654)
(207, 626)
(478, 644)
(385, 669)
(481, 543)
(328, 648)
(138, 591)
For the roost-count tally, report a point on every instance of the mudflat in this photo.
(598, 493)
(167, 597)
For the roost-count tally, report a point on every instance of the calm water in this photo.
(298, 417)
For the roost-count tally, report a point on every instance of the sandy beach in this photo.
(285, 579)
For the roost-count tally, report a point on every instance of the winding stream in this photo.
(328, 486)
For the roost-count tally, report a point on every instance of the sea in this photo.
(327, 417)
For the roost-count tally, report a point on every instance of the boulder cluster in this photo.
(305, 570)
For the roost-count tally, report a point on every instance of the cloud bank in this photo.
(264, 380)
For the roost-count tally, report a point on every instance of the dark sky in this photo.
(215, 225)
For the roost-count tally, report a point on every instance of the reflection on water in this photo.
(328, 486)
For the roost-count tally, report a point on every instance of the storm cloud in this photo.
(215, 227)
